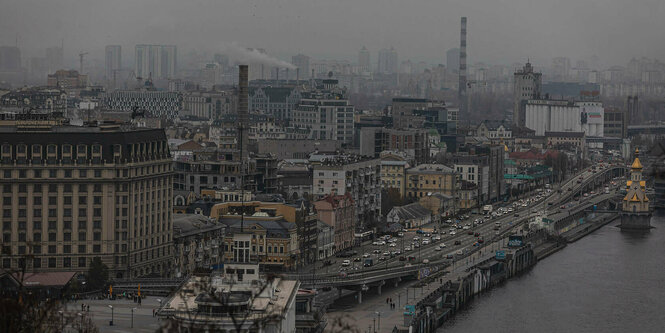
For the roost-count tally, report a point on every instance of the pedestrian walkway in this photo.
(374, 314)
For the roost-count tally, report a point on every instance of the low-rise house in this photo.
(410, 216)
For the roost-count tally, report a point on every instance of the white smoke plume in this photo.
(243, 55)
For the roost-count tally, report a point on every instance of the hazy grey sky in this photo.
(499, 31)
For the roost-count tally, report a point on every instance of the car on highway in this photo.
(386, 254)
(480, 240)
(356, 259)
(398, 252)
(459, 252)
(436, 238)
(408, 248)
(497, 233)
(517, 214)
(366, 255)
(458, 242)
(470, 232)
(392, 245)
(400, 234)
(416, 245)
(416, 238)
(346, 262)
(402, 258)
(466, 227)
(452, 233)
(425, 242)
(376, 251)
(382, 258)
(476, 234)
(438, 248)
(450, 256)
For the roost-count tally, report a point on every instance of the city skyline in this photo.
(544, 32)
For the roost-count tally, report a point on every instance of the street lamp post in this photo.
(111, 322)
(132, 325)
(379, 321)
(81, 322)
(62, 319)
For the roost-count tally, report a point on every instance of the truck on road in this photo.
(368, 262)
(487, 209)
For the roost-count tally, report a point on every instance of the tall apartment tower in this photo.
(113, 60)
(156, 61)
(54, 58)
(388, 61)
(70, 194)
(301, 62)
(462, 71)
(526, 85)
(363, 60)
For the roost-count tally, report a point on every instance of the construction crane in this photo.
(81, 61)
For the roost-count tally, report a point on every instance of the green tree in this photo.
(98, 274)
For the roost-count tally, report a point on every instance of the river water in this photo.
(609, 281)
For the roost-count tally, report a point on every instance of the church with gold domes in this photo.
(635, 213)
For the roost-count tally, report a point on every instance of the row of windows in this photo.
(51, 249)
(49, 262)
(53, 225)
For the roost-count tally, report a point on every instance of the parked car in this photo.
(346, 262)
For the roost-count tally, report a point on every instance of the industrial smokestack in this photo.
(243, 107)
(462, 71)
(297, 75)
(287, 75)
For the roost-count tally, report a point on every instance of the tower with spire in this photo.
(635, 213)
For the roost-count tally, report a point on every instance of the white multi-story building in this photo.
(359, 176)
(565, 116)
(328, 116)
(155, 61)
(156, 104)
(209, 104)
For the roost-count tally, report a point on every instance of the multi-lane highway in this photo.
(458, 244)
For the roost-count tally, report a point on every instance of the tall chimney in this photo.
(297, 75)
(462, 72)
(243, 107)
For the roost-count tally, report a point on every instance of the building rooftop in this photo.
(430, 169)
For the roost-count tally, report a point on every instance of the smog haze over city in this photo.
(325, 166)
(503, 32)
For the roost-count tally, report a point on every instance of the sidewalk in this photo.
(365, 316)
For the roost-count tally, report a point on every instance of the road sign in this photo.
(500, 255)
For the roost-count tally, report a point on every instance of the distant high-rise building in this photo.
(452, 60)
(10, 59)
(363, 59)
(221, 59)
(113, 60)
(526, 85)
(156, 61)
(302, 62)
(54, 58)
(388, 61)
(561, 69)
